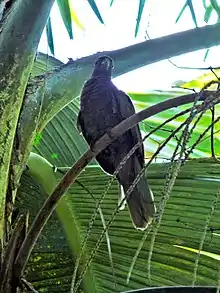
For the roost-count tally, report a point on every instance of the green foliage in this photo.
(208, 13)
(140, 11)
(64, 8)
(189, 4)
(216, 7)
(96, 10)
(50, 35)
(111, 3)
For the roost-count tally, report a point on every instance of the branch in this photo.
(176, 289)
(16, 239)
(50, 204)
(64, 84)
(19, 38)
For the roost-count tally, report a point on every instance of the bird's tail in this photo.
(140, 201)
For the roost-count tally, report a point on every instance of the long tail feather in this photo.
(140, 201)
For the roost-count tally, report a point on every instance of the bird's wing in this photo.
(126, 109)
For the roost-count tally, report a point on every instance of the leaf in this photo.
(190, 5)
(192, 11)
(206, 54)
(212, 255)
(208, 13)
(199, 83)
(44, 63)
(181, 12)
(111, 2)
(140, 11)
(49, 32)
(215, 6)
(65, 13)
(204, 4)
(95, 10)
(75, 17)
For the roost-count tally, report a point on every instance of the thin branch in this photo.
(200, 139)
(28, 286)
(205, 229)
(177, 289)
(50, 204)
(194, 68)
(212, 132)
(212, 135)
(17, 237)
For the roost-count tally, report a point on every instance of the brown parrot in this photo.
(102, 107)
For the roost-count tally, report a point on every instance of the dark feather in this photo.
(102, 107)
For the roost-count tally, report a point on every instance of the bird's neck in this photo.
(99, 72)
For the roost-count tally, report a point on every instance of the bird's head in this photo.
(103, 66)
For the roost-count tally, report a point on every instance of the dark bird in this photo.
(102, 107)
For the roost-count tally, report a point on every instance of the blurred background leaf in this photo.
(65, 13)
(140, 11)
(50, 36)
(95, 9)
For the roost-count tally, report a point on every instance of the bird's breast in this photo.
(99, 108)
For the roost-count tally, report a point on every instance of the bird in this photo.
(103, 106)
